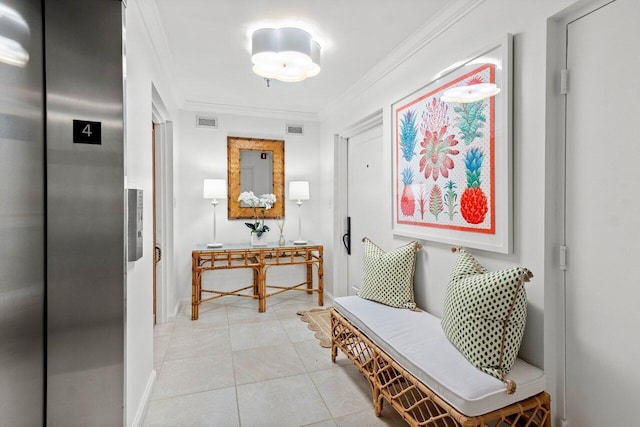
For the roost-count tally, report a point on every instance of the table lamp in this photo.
(214, 189)
(299, 190)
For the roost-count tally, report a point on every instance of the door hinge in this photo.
(564, 75)
(563, 257)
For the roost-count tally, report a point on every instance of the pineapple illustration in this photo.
(473, 203)
(407, 201)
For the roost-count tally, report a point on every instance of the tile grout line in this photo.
(233, 367)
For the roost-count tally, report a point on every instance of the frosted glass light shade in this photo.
(299, 190)
(214, 189)
(286, 54)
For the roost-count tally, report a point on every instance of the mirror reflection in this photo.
(256, 172)
(255, 164)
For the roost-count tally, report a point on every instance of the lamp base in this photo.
(214, 245)
(299, 242)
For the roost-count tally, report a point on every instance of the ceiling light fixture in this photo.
(286, 54)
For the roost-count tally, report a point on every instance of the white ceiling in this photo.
(208, 43)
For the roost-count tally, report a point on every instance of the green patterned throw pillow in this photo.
(388, 276)
(485, 314)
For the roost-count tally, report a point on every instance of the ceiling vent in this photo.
(295, 129)
(207, 122)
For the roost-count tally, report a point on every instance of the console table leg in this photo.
(262, 290)
(309, 276)
(196, 286)
(256, 280)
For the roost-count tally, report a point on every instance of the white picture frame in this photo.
(452, 183)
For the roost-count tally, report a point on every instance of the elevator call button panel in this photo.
(134, 226)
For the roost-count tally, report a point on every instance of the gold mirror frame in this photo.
(234, 145)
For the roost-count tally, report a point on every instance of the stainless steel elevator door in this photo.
(85, 214)
(21, 215)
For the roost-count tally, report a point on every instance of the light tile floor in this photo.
(237, 367)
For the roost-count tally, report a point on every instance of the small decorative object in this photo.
(280, 224)
(258, 227)
(260, 240)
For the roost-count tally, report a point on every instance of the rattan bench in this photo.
(414, 400)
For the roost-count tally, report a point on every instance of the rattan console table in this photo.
(260, 259)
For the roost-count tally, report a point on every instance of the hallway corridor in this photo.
(237, 367)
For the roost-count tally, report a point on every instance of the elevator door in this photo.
(21, 215)
(85, 212)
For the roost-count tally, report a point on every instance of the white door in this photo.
(157, 230)
(603, 217)
(365, 192)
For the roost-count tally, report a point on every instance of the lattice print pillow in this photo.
(485, 314)
(388, 276)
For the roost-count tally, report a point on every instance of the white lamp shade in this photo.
(299, 190)
(214, 189)
(285, 54)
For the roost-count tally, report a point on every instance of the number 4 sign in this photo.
(85, 132)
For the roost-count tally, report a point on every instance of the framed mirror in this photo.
(255, 165)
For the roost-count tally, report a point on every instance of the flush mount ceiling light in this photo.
(470, 93)
(286, 54)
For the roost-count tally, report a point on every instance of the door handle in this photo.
(346, 237)
(157, 255)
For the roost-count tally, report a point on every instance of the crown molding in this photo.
(158, 40)
(240, 110)
(421, 38)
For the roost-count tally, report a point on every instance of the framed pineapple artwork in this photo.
(452, 179)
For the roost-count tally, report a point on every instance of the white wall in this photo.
(489, 22)
(142, 70)
(202, 153)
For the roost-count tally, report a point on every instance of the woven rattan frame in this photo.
(415, 402)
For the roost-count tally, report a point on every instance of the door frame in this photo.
(162, 149)
(341, 193)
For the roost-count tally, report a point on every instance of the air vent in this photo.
(207, 122)
(295, 130)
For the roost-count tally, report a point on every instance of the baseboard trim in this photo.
(144, 402)
(174, 312)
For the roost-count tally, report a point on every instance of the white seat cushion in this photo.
(416, 341)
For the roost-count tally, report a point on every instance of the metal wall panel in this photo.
(85, 214)
(21, 216)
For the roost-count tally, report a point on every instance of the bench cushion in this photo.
(416, 341)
